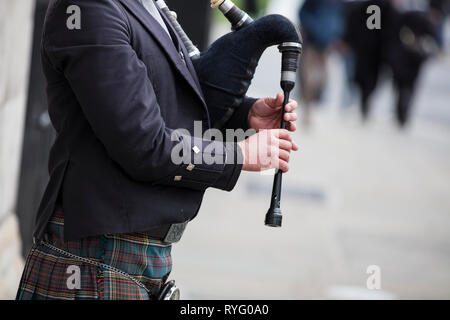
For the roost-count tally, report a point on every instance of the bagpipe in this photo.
(225, 70)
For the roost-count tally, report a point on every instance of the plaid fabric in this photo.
(47, 272)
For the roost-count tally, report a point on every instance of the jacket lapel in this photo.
(154, 28)
(189, 64)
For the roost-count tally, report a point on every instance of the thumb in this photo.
(279, 99)
(276, 102)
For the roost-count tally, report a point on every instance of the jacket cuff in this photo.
(233, 167)
(208, 164)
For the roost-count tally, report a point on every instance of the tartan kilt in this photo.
(48, 274)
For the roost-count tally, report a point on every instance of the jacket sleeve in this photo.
(111, 85)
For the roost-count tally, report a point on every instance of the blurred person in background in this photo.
(439, 10)
(405, 41)
(321, 25)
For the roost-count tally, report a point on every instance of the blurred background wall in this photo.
(16, 18)
(38, 137)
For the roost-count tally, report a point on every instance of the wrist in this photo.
(250, 116)
(242, 145)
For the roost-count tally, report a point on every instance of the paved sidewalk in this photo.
(357, 195)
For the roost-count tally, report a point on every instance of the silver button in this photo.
(196, 149)
(190, 167)
(177, 178)
(182, 58)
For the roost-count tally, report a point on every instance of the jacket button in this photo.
(190, 167)
(196, 149)
(177, 178)
(182, 57)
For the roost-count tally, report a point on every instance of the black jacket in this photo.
(117, 89)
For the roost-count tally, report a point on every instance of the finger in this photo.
(295, 146)
(284, 155)
(290, 116)
(282, 134)
(291, 106)
(292, 127)
(275, 102)
(283, 166)
(285, 145)
(279, 99)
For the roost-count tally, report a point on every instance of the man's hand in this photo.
(267, 149)
(266, 114)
